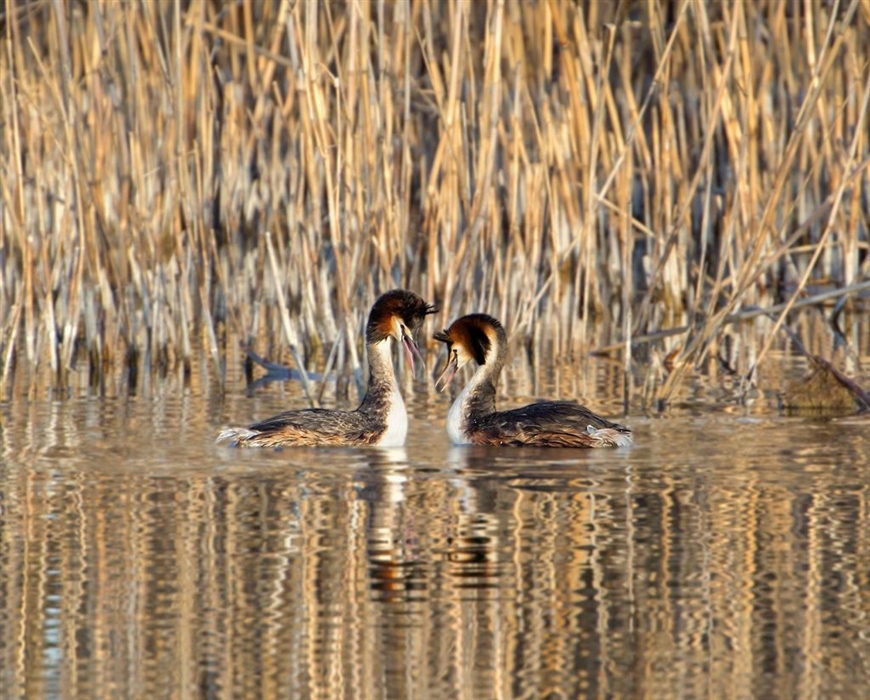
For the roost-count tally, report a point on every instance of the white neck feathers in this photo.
(458, 414)
(381, 368)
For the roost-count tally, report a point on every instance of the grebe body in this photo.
(473, 418)
(381, 419)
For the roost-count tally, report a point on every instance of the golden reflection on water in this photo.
(723, 556)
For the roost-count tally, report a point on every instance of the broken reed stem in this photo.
(746, 315)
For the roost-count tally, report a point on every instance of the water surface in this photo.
(725, 555)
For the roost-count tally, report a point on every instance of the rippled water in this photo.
(725, 555)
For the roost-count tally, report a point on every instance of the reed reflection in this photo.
(476, 552)
(437, 572)
(553, 528)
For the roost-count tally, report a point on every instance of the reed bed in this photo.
(179, 176)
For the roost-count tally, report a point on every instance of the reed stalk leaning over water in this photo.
(601, 172)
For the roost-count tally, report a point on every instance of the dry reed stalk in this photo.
(745, 315)
(853, 152)
(289, 330)
(751, 269)
(721, 76)
(542, 161)
(10, 334)
(626, 236)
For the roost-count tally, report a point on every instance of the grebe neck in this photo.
(477, 399)
(383, 397)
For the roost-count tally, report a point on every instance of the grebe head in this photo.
(477, 337)
(398, 314)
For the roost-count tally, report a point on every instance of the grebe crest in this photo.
(381, 418)
(473, 418)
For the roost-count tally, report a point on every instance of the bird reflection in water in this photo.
(395, 571)
(473, 541)
(463, 541)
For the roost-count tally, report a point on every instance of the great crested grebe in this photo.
(473, 420)
(381, 418)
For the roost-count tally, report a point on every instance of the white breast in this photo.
(456, 418)
(397, 422)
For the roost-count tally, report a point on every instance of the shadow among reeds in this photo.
(179, 177)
